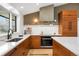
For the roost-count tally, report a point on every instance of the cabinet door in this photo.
(21, 50)
(59, 50)
(69, 29)
(26, 45)
(52, 47)
(68, 22)
(35, 42)
(69, 26)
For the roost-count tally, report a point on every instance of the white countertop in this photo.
(5, 48)
(71, 43)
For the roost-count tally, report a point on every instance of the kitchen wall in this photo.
(69, 6)
(46, 29)
(29, 18)
(20, 25)
(45, 16)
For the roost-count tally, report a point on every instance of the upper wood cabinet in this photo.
(35, 41)
(67, 20)
(47, 13)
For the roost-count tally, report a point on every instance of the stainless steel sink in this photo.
(15, 40)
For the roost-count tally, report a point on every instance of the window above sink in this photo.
(6, 21)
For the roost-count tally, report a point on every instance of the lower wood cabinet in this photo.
(21, 50)
(52, 47)
(18, 52)
(35, 41)
(59, 50)
(10, 52)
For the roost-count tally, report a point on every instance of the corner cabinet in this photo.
(67, 20)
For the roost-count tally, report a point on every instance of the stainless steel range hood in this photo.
(47, 13)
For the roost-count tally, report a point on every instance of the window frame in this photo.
(9, 23)
(15, 23)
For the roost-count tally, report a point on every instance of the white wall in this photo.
(20, 24)
(46, 29)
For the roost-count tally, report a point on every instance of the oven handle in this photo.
(46, 38)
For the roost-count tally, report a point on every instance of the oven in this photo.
(46, 41)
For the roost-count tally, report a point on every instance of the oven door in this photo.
(46, 42)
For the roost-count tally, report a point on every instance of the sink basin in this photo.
(15, 40)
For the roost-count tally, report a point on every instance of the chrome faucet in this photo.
(10, 32)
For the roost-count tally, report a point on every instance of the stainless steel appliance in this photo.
(46, 41)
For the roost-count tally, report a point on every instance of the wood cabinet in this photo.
(21, 50)
(59, 50)
(52, 47)
(35, 41)
(10, 52)
(18, 52)
(67, 20)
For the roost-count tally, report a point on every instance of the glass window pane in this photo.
(6, 14)
(4, 25)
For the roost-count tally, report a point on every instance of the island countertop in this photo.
(5, 48)
(71, 43)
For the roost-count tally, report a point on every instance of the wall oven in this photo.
(46, 41)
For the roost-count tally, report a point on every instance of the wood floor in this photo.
(40, 52)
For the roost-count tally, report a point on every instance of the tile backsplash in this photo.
(46, 29)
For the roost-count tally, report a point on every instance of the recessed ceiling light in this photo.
(22, 7)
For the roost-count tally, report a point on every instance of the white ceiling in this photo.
(31, 7)
(3, 9)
